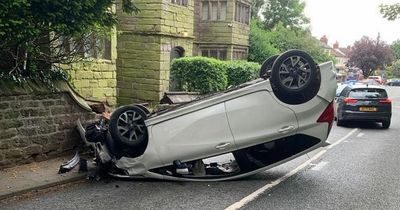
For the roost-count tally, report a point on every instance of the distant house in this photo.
(341, 55)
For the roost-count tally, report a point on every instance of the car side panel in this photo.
(308, 114)
(198, 134)
(328, 81)
(257, 118)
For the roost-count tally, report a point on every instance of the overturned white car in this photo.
(232, 134)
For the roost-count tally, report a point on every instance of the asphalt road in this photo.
(359, 171)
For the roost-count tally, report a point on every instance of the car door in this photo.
(195, 135)
(257, 118)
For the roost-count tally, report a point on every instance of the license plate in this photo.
(368, 109)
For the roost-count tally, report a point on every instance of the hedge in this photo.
(199, 74)
(241, 71)
(205, 75)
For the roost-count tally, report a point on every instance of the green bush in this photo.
(199, 74)
(241, 71)
(205, 75)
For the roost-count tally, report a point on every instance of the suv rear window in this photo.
(367, 93)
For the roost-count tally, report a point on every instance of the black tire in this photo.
(127, 127)
(145, 109)
(386, 124)
(266, 67)
(295, 81)
(340, 122)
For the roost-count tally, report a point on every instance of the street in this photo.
(360, 170)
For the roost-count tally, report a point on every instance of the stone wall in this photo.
(95, 80)
(35, 127)
(144, 46)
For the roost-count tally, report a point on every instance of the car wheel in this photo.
(340, 122)
(127, 127)
(266, 67)
(295, 77)
(386, 124)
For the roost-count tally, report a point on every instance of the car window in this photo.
(367, 93)
(340, 89)
(345, 91)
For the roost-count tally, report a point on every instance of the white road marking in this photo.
(266, 187)
(258, 192)
(342, 139)
(319, 166)
(360, 135)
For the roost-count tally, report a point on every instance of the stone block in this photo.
(107, 75)
(112, 83)
(5, 144)
(21, 142)
(6, 124)
(47, 103)
(34, 112)
(33, 149)
(59, 110)
(13, 153)
(97, 75)
(39, 121)
(27, 131)
(47, 129)
(4, 105)
(11, 115)
(102, 83)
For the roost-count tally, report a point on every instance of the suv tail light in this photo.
(327, 116)
(385, 101)
(350, 100)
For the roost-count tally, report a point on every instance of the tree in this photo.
(393, 71)
(256, 7)
(396, 48)
(369, 54)
(390, 11)
(288, 12)
(32, 32)
(264, 43)
(260, 43)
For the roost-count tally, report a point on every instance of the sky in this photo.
(346, 21)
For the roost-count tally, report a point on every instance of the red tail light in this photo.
(327, 116)
(385, 101)
(350, 100)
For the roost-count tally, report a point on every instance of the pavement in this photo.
(36, 176)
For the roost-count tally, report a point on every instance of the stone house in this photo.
(134, 64)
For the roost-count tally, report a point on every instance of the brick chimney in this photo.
(324, 39)
(336, 45)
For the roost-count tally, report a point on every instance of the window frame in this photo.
(183, 3)
(210, 10)
(242, 13)
(244, 53)
(89, 47)
(222, 53)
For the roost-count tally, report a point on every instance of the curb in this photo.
(43, 185)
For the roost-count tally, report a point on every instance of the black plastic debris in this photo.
(178, 97)
(69, 165)
(83, 165)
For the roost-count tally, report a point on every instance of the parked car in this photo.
(364, 103)
(393, 82)
(260, 124)
(368, 82)
(378, 79)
